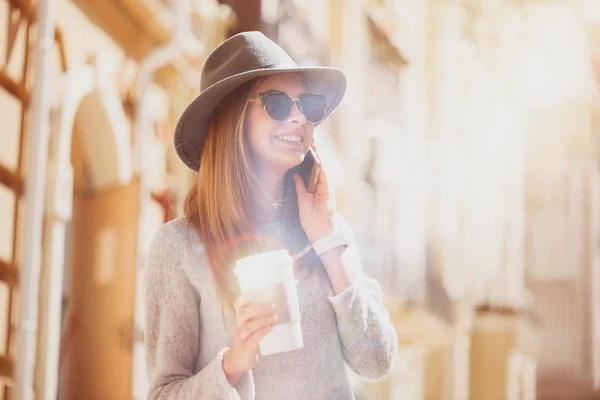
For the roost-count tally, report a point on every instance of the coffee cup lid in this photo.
(266, 260)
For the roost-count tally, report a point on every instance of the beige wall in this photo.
(82, 39)
(101, 334)
(102, 284)
(489, 357)
(504, 350)
(436, 374)
(98, 352)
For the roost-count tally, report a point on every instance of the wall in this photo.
(97, 360)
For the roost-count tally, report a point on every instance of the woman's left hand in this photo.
(317, 211)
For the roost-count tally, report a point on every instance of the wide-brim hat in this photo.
(237, 60)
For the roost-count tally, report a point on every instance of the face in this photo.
(279, 144)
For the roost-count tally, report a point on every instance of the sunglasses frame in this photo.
(263, 95)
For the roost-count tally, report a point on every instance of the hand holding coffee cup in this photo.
(269, 278)
(253, 322)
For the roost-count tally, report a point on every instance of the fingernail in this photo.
(272, 306)
(275, 318)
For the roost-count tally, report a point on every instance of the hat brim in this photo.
(192, 127)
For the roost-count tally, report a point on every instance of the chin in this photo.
(291, 163)
(281, 160)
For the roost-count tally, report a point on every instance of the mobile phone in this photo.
(315, 171)
(309, 170)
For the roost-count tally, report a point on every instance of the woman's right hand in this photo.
(253, 322)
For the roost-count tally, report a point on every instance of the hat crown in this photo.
(241, 53)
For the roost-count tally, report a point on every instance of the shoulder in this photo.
(171, 243)
(177, 233)
(169, 233)
(167, 273)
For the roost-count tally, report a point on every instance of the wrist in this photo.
(320, 235)
(335, 240)
(232, 376)
(320, 232)
(319, 227)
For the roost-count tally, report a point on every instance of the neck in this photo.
(270, 194)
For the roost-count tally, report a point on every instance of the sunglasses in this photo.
(278, 105)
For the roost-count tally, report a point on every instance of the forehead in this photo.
(290, 83)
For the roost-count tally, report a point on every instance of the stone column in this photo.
(503, 352)
(445, 171)
(407, 147)
(461, 351)
(348, 42)
(595, 272)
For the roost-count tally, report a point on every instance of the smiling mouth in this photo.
(289, 138)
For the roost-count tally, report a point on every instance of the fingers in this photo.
(254, 310)
(244, 299)
(257, 336)
(322, 183)
(315, 153)
(254, 325)
(300, 186)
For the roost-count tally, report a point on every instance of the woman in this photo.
(248, 141)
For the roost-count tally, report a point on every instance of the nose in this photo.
(296, 116)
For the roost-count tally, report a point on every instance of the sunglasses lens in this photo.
(313, 107)
(278, 106)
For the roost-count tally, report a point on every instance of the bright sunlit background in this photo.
(465, 156)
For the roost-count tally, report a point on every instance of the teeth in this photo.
(286, 138)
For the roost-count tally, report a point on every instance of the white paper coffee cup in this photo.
(269, 277)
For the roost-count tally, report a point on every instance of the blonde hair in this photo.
(220, 204)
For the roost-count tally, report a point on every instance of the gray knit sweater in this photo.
(186, 333)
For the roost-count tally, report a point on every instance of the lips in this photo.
(291, 137)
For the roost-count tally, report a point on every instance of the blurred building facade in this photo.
(465, 156)
(120, 72)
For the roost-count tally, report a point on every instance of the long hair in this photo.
(221, 204)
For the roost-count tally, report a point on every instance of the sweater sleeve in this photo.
(367, 335)
(172, 331)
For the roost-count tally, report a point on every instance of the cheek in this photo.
(259, 129)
